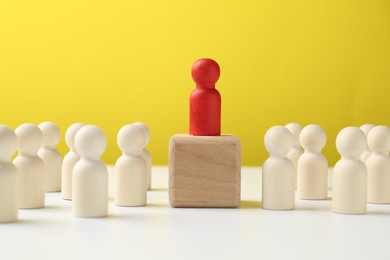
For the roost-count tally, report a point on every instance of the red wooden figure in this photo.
(205, 100)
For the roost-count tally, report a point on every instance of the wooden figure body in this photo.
(131, 167)
(50, 156)
(90, 175)
(31, 180)
(8, 176)
(312, 179)
(366, 129)
(278, 192)
(70, 159)
(350, 173)
(205, 100)
(378, 165)
(146, 155)
(296, 151)
(148, 159)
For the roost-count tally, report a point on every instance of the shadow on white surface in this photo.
(250, 204)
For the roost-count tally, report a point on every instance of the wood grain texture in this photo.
(204, 171)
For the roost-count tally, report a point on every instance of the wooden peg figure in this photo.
(70, 159)
(312, 167)
(366, 128)
(90, 174)
(350, 173)
(378, 165)
(30, 167)
(146, 154)
(50, 156)
(131, 167)
(205, 100)
(278, 171)
(8, 176)
(296, 151)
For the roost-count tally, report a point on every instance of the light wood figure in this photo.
(296, 151)
(8, 176)
(146, 154)
(378, 165)
(131, 167)
(204, 171)
(278, 192)
(90, 174)
(366, 129)
(31, 180)
(312, 168)
(70, 159)
(50, 156)
(350, 173)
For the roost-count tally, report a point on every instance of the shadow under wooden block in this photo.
(204, 171)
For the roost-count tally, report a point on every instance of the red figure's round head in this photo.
(205, 73)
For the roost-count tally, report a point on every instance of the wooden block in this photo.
(204, 171)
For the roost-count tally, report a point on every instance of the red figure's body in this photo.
(205, 100)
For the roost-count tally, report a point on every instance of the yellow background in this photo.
(115, 62)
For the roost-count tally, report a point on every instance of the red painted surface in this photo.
(205, 100)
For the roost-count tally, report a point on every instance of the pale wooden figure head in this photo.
(295, 130)
(71, 133)
(132, 139)
(29, 139)
(278, 141)
(379, 139)
(90, 142)
(351, 142)
(313, 138)
(366, 128)
(51, 134)
(146, 130)
(8, 143)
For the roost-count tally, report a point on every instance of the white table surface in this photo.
(156, 231)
